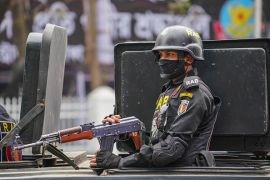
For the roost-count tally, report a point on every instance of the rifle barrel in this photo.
(38, 143)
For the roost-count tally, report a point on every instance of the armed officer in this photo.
(6, 124)
(185, 111)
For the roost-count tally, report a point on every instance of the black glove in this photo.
(107, 160)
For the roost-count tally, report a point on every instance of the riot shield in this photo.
(30, 82)
(43, 80)
(235, 70)
(238, 76)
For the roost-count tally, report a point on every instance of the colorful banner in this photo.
(237, 18)
(117, 21)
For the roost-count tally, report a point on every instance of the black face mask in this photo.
(170, 69)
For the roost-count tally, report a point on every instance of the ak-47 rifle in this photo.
(106, 132)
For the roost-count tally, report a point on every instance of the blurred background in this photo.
(94, 27)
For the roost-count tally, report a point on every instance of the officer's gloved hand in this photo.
(105, 160)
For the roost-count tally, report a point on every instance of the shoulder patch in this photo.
(191, 81)
(183, 107)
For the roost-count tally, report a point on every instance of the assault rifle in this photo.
(107, 134)
(90, 131)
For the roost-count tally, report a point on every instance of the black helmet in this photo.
(180, 38)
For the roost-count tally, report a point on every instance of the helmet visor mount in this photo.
(181, 54)
(190, 49)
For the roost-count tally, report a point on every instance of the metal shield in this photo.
(43, 80)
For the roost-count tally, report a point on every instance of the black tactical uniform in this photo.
(182, 125)
(185, 112)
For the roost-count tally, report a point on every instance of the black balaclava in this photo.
(170, 69)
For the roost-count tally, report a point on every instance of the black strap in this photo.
(205, 159)
(36, 110)
(61, 155)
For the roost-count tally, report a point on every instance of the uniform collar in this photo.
(177, 81)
